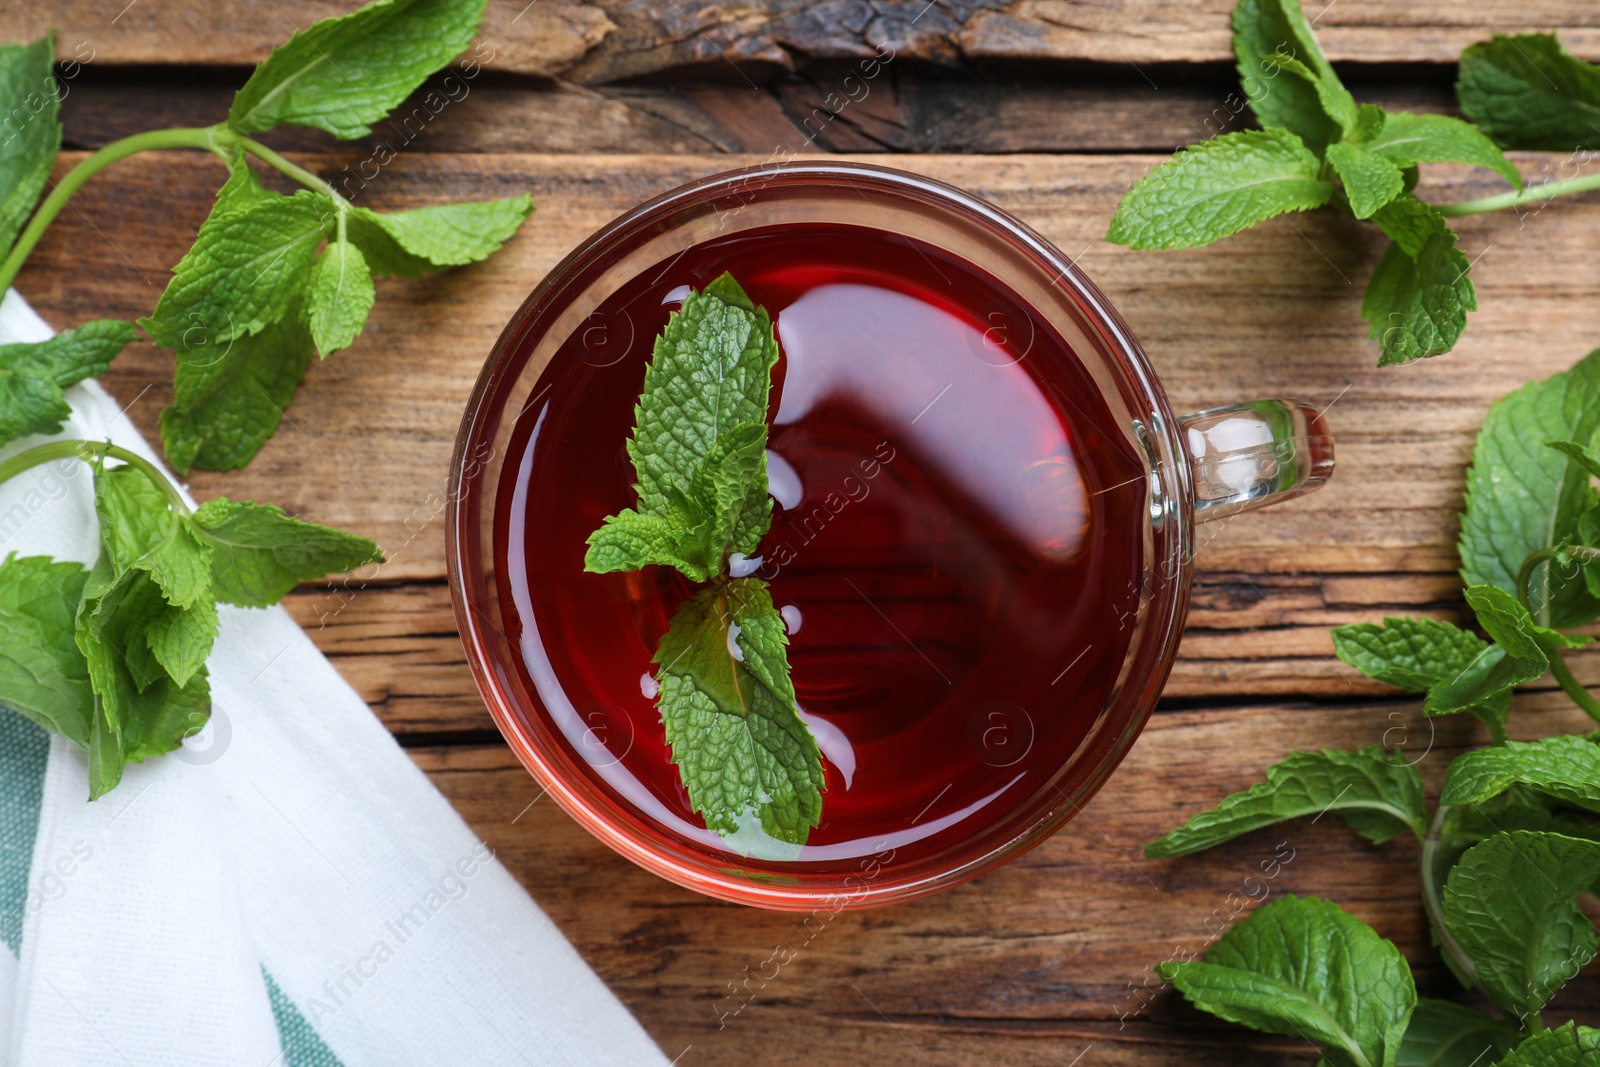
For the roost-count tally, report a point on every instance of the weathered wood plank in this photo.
(1272, 311)
(1028, 964)
(1105, 109)
(609, 40)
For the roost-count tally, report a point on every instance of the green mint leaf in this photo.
(1566, 768)
(733, 480)
(338, 296)
(246, 266)
(1406, 139)
(738, 741)
(139, 711)
(1335, 99)
(258, 553)
(1511, 904)
(1379, 794)
(628, 541)
(1370, 180)
(1504, 619)
(1219, 187)
(1428, 656)
(1571, 449)
(1262, 28)
(342, 74)
(1305, 968)
(1529, 92)
(1417, 300)
(1444, 1034)
(229, 395)
(34, 376)
(406, 243)
(710, 373)
(1521, 653)
(1523, 497)
(32, 131)
(140, 532)
(1569, 1045)
(43, 674)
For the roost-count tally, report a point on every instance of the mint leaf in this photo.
(1523, 497)
(1305, 968)
(32, 131)
(1335, 99)
(1570, 1045)
(140, 532)
(139, 712)
(341, 74)
(1428, 656)
(1511, 904)
(1379, 794)
(229, 395)
(1370, 180)
(258, 553)
(1566, 768)
(33, 376)
(733, 480)
(1263, 28)
(43, 675)
(628, 541)
(1419, 294)
(1219, 187)
(710, 374)
(246, 266)
(1529, 92)
(339, 294)
(1443, 1034)
(448, 235)
(739, 744)
(1405, 139)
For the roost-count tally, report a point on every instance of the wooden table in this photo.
(1049, 108)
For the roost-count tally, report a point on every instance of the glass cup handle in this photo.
(1246, 455)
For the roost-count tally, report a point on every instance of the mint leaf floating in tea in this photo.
(113, 657)
(1377, 793)
(1305, 968)
(722, 669)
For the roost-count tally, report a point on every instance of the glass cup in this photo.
(1198, 467)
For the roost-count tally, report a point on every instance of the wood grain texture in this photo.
(906, 109)
(754, 40)
(1027, 965)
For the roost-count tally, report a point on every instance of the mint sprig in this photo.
(1305, 968)
(1315, 135)
(699, 453)
(271, 279)
(113, 657)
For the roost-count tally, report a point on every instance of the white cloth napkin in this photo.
(287, 890)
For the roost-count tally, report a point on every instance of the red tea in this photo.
(955, 547)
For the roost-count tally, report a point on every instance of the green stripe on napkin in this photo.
(301, 1045)
(24, 754)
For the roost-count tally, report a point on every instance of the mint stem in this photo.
(208, 138)
(87, 451)
(1558, 666)
(1533, 194)
(1433, 903)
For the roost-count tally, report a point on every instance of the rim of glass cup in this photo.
(471, 560)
